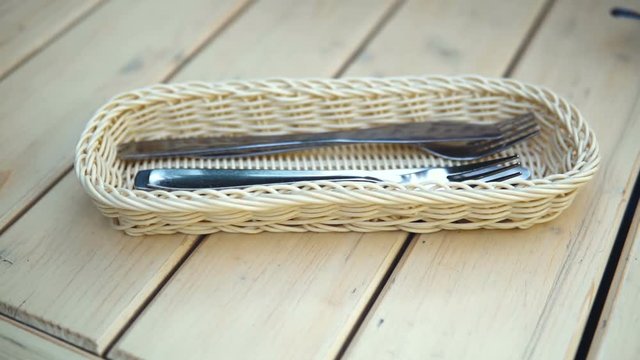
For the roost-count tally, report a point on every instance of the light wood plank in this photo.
(20, 342)
(263, 296)
(617, 333)
(284, 38)
(444, 37)
(27, 25)
(527, 294)
(249, 320)
(62, 281)
(45, 103)
(64, 270)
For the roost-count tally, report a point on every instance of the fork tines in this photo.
(492, 170)
(521, 128)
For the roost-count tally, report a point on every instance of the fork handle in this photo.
(192, 179)
(270, 149)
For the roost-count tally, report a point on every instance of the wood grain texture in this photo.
(527, 294)
(45, 103)
(20, 342)
(75, 277)
(254, 321)
(448, 37)
(68, 273)
(27, 25)
(267, 289)
(65, 270)
(617, 333)
(263, 296)
(285, 38)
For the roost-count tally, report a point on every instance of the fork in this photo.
(412, 133)
(501, 169)
(511, 132)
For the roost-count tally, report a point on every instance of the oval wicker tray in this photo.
(562, 158)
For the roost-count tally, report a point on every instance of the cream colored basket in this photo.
(562, 158)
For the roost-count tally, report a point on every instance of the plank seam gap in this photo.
(528, 38)
(153, 294)
(65, 29)
(210, 38)
(608, 275)
(376, 294)
(44, 335)
(377, 28)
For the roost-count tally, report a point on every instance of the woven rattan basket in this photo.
(562, 158)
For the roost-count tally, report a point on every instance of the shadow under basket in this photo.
(562, 158)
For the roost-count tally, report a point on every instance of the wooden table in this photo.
(72, 287)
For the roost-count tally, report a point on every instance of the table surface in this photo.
(72, 287)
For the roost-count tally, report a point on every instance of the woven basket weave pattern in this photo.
(562, 158)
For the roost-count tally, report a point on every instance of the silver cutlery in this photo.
(501, 169)
(511, 132)
(453, 136)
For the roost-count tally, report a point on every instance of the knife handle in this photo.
(193, 179)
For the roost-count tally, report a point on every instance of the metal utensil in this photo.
(411, 133)
(192, 179)
(511, 132)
